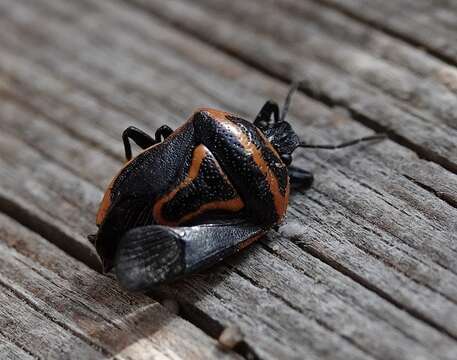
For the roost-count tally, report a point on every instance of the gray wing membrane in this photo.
(151, 255)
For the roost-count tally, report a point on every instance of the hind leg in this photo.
(142, 139)
(163, 132)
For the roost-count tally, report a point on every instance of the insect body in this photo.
(197, 194)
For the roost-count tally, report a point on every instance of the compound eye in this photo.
(286, 159)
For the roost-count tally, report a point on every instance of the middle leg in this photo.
(299, 178)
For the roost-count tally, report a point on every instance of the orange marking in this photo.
(249, 241)
(232, 205)
(215, 114)
(199, 154)
(106, 201)
(104, 206)
(276, 190)
(279, 200)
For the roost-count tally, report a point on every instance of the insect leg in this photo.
(142, 139)
(163, 132)
(285, 109)
(263, 118)
(344, 144)
(152, 255)
(292, 90)
(299, 178)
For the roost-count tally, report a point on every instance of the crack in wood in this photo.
(126, 325)
(381, 293)
(299, 310)
(448, 200)
(307, 90)
(209, 325)
(18, 344)
(272, 251)
(389, 31)
(20, 212)
(66, 328)
(387, 232)
(136, 87)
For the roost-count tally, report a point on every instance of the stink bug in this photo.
(198, 194)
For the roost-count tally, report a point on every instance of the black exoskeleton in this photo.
(199, 193)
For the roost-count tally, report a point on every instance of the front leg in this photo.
(263, 118)
(140, 138)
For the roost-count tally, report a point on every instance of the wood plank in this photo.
(311, 331)
(21, 116)
(8, 350)
(401, 269)
(140, 110)
(428, 24)
(398, 69)
(289, 45)
(38, 334)
(55, 307)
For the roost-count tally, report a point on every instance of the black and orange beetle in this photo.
(198, 194)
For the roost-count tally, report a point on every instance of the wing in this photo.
(151, 255)
(127, 214)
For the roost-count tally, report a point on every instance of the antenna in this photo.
(344, 144)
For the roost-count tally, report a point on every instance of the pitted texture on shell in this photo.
(205, 188)
(239, 149)
(240, 174)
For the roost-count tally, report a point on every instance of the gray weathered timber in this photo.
(39, 335)
(428, 24)
(9, 350)
(311, 330)
(408, 74)
(365, 266)
(392, 317)
(54, 307)
(377, 92)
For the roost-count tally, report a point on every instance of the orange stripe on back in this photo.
(232, 205)
(280, 201)
(106, 201)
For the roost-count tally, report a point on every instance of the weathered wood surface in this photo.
(54, 307)
(342, 62)
(429, 24)
(365, 266)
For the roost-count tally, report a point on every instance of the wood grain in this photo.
(296, 40)
(428, 24)
(9, 350)
(55, 307)
(365, 266)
